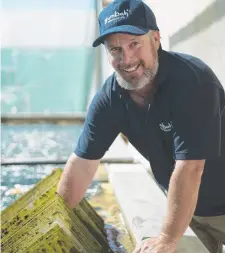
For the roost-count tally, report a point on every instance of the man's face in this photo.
(134, 58)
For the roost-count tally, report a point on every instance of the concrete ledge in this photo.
(144, 205)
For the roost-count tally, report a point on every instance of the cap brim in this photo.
(120, 29)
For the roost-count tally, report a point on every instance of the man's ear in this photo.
(156, 38)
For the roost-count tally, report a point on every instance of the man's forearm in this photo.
(182, 198)
(77, 176)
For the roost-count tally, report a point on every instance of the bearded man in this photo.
(171, 108)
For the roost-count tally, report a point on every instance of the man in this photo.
(171, 108)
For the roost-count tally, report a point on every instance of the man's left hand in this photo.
(155, 245)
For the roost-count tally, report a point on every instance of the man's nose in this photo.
(126, 56)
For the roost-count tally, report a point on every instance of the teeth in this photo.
(132, 69)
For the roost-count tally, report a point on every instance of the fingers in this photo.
(137, 249)
(142, 248)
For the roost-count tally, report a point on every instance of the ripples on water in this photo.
(50, 141)
(30, 141)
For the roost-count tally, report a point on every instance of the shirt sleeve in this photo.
(196, 118)
(100, 128)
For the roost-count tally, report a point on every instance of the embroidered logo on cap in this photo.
(116, 16)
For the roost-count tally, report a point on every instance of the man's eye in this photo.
(135, 43)
(115, 49)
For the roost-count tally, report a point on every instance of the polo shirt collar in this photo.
(163, 70)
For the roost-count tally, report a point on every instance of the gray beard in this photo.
(146, 78)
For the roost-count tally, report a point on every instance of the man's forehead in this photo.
(121, 38)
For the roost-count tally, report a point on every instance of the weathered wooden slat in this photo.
(144, 205)
(28, 201)
(55, 216)
(41, 220)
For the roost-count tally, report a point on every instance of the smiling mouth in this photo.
(134, 68)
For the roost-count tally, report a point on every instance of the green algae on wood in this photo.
(29, 205)
(27, 199)
(55, 216)
(41, 222)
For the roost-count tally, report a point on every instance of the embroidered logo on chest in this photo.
(167, 127)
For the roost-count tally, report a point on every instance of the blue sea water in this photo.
(30, 141)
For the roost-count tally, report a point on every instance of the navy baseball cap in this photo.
(125, 16)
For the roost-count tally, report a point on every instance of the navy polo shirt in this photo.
(185, 121)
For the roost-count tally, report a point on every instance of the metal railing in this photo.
(40, 118)
(45, 161)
